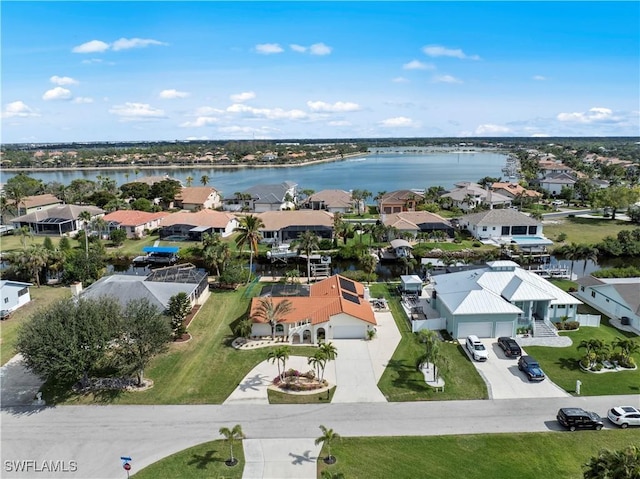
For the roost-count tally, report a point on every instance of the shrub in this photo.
(571, 325)
(477, 244)
(325, 244)
(585, 363)
(598, 367)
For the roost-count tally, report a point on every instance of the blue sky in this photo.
(109, 71)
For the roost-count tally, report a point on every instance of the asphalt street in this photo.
(95, 437)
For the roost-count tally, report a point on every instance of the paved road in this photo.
(96, 436)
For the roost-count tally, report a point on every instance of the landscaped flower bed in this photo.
(294, 380)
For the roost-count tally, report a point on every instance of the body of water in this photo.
(374, 172)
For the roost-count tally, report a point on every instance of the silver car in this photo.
(624, 416)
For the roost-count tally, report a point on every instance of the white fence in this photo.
(591, 320)
(432, 324)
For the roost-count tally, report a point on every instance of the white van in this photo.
(476, 348)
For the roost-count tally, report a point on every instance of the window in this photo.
(6, 300)
(23, 291)
(562, 306)
(533, 230)
(484, 228)
(581, 288)
(279, 328)
(593, 294)
(505, 231)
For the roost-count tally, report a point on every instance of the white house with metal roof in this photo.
(497, 299)
(616, 297)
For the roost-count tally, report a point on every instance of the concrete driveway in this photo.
(19, 385)
(505, 381)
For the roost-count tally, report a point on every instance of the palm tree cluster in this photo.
(578, 252)
(249, 233)
(326, 352)
(597, 351)
(621, 464)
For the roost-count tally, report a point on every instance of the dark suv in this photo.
(575, 418)
(509, 346)
(531, 368)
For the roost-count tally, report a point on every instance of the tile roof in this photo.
(133, 217)
(333, 198)
(412, 219)
(500, 217)
(65, 212)
(515, 189)
(39, 200)
(196, 195)
(400, 196)
(276, 220)
(212, 218)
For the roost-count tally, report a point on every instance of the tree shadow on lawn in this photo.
(572, 364)
(201, 461)
(407, 376)
(233, 326)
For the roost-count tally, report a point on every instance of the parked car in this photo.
(476, 348)
(510, 347)
(576, 418)
(531, 368)
(624, 416)
(5, 314)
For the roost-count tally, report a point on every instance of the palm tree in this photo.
(244, 328)
(622, 464)
(308, 242)
(627, 347)
(204, 180)
(85, 216)
(330, 352)
(592, 349)
(249, 230)
(189, 180)
(279, 356)
(588, 253)
(24, 232)
(232, 435)
(432, 348)
(273, 313)
(328, 436)
(317, 361)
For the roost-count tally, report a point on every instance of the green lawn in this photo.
(198, 462)
(40, 297)
(522, 456)
(561, 364)
(585, 230)
(402, 381)
(204, 370)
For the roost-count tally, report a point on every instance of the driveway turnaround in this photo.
(505, 381)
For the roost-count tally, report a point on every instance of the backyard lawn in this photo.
(401, 380)
(561, 364)
(40, 297)
(525, 456)
(585, 230)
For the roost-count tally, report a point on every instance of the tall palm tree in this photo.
(189, 180)
(588, 253)
(232, 435)
(24, 232)
(85, 216)
(273, 312)
(328, 436)
(308, 243)
(621, 464)
(627, 346)
(249, 230)
(204, 179)
(279, 356)
(330, 352)
(317, 361)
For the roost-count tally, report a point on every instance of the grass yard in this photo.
(585, 230)
(277, 397)
(204, 370)
(561, 364)
(401, 380)
(40, 297)
(203, 460)
(525, 456)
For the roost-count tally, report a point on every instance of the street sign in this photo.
(126, 466)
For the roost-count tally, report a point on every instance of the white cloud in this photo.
(94, 46)
(418, 65)
(269, 113)
(446, 79)
(207, 111)
(244, 96)
(136, 112)
(57, 93)
(127, 43)
(320, 49)
(298, 48)
(268, 48)
(18, 109)
(173, 94)
(339, 123)
(399, 121)
(62, 81)
(539, 78)
(540, 135)
(339, 106)
(594, 115)
(91, 61)
(400, 80)
(489, 129)
(440, 51)
(83, 99)
(200, 122)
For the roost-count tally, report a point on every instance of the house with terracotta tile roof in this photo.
(135, 223)
(335, 308)
(191, 225)
(415, 222)
(333, 201)
(399, 200)
(285, 226)
(194, 198)
(467, 196)
(514, 190)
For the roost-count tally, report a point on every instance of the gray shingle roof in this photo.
(499, 217)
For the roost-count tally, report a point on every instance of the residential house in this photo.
(285, 226)
(552, 168)
(399, 201)
(192, 225)
(614, 297)
(497, 299)
(15, 294)
(467, 196)
(194, 198)
(515, 191)
(29, 204)
(57, 220)
(135, 223)
(333, 201)
(553, 183)
(158, 287)
(335, 308)
(415, 222)
(261, 198)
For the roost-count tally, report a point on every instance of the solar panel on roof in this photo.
(348, 285)
(350, 297)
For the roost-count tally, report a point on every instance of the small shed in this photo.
(411, 283)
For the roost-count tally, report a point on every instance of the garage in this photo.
(480, 329)
(505, 328)
(351, 331)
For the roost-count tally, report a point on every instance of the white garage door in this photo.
(505, 328)
(348, 332)
(482, 330)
